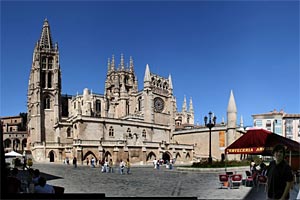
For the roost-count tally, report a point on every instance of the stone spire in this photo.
(231, 104)
(46, 40)
(241, 122)
(191, 106)
(147, 77)
(184, 109)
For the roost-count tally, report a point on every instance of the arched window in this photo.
(43, 62)
(49, 80)
(43, 80)
(140, 104)
(144, 133)
(129, 133)
(111, 131)
(127, 107)
(98, 105)
(50, 63)
(69, 132)
(47, 102)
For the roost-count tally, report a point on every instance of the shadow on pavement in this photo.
(49, 176)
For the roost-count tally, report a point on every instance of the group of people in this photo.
(30, 181)
(158, 163)
(107, 166)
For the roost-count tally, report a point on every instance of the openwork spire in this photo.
(122, 62)
(108, 65)
(112, 66)
(131, 64)
(46, 40)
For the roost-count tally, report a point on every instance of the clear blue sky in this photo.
(208, 48)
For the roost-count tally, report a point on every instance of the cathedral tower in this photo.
(120, 86)
(44, 91)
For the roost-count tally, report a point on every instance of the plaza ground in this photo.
(144, 181)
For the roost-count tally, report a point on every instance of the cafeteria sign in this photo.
(246, 150)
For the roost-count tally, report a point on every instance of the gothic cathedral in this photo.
(122, 123)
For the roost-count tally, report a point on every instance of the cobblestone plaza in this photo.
(142, 182)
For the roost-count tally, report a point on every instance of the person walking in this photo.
(128, 166)
(93, 162)
(87, 161)
(110, 165)
(280, 177)
(122, 166)
(75, 162)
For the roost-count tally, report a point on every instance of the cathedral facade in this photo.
(122, 123)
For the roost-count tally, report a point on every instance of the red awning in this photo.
(260, 141)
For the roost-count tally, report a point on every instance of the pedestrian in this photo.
(75, 162)
(280, 177)
(155, 163)
(93, 162)
(106, 166)
(24, 163)
(67, 159)
(128, 166)
(122, 165)
(110, 165)
(87, 161)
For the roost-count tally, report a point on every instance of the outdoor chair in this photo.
(224, 181)
(249, 178)
(262, 180)
(236, 180)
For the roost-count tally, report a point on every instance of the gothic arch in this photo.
(47, 101)
(7, 143)
(16, 144)
(177, 155)
(24, 143)
(51, 156)
(87, 154)
(187, 155)
(150, 156)
(107, 155)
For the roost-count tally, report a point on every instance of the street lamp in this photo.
(211, 123)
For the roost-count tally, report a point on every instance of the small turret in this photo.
(147, 77)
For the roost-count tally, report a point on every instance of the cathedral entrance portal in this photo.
(51, 155)
(166, 157)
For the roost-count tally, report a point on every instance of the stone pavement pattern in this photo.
(143, 182)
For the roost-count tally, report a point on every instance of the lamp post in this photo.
(211, 123)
